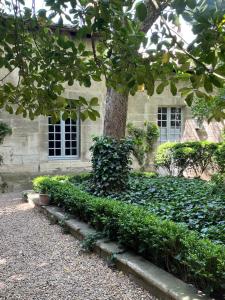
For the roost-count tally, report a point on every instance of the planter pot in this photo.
(44, 199)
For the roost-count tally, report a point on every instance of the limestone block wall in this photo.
(25, 152)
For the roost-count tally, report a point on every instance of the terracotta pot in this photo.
(44, 199)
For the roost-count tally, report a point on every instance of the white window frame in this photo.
(63, 156)
(168, 124)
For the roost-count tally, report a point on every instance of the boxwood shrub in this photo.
(169, 245)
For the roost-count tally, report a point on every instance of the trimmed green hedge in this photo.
(169, 245)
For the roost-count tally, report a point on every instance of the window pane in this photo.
(67, 144)
(58, 152)
(67, 128)
(57, 128)
(74, 144)
(67, 136)
(50, 128)
(74, 151)
(67, 121)
(51, 144)
(74, 129)
(51, 152)
(51, 136)
(67, 152)
(58, 136)
(58, 144)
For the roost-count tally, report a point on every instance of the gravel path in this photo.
(38, 262)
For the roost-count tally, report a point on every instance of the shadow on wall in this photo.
(200, 132)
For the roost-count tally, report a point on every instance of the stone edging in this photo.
(160, 283)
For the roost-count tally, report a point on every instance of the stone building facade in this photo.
(37, 147)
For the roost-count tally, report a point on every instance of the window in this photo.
(170, 123)
(63, 139)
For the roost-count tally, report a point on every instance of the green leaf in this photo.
(81, 47)
(161, 86)
(215, 81)
(141, 11)
(191, 3)
(189, 99)
(200, 94)
(173, 88)
(94, 101)
(91, 115)
(208, 85)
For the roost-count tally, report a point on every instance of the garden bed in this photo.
(193, 202)
(171, 246)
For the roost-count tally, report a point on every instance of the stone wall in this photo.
(25, 152)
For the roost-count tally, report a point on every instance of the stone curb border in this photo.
(160, 283)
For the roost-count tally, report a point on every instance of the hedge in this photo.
(169, 245)
(181, 157)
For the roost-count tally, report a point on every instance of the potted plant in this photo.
(44, 198)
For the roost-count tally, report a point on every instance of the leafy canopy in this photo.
(47, 55)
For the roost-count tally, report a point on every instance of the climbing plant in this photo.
(144, 140)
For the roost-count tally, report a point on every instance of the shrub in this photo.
(164, 157)
(169, 245)
(219, 157)
(111, 165)
(177, 158)
(144, 140)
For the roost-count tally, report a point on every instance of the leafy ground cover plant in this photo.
(169, 245)
(194, 202)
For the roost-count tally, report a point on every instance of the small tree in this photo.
(144, 140)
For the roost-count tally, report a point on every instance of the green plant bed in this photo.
(194, 202)
(169, 245)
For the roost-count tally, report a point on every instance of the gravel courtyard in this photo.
(38, 262)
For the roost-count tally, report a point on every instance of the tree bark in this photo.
(115, 114)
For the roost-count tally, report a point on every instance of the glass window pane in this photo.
(67, 152)
(51, 152)
(51, 136)
(67, 128)
(68, 144)
(51, 144)
(58, 144)
(74, 129)
(74, 151)
(67, 136)
(57, 128)
(58, 136)
(67, 121)
(57, 152)
(50, 128)
(74, 144)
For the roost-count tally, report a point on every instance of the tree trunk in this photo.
(115, 114)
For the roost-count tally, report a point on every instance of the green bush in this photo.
(219, 157)
(110, 164)
(177, 158)
(144, 140)
(169, 245)
(164, 158)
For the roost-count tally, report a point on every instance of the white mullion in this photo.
(168, 122)
(62, 125)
